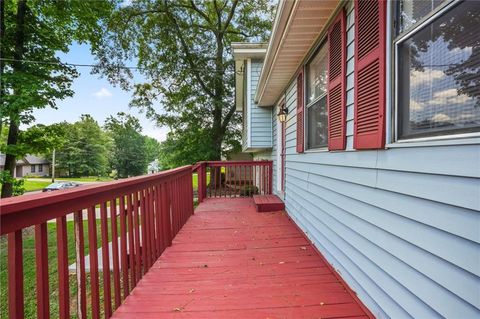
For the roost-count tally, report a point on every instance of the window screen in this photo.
(318, 124)
(439, 72)
(317, 75)
(412, 11)
(317, 116)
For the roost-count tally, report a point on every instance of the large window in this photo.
(438, 68)
(316, 85)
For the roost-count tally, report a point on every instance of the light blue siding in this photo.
(271, 154)
(402, 226)
(261, 117)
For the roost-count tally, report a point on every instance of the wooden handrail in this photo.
(149, 210)
(20, 212)
(239, 178)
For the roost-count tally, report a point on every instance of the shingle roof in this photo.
(28, 159)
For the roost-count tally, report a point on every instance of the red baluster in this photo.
(107, 293)
(115, 238)
(62, 259)
(41, 258)
(92, 242)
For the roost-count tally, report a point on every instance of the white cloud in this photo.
(449, 97)
(102, 93)
(440, 117)
(427, 77)
(416, 106)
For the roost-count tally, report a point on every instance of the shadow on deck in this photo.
(228, 261)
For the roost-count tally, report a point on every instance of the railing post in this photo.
(202, 181)
(270, 177)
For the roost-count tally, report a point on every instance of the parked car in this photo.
(60, 185)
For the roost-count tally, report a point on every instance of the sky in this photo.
(95, 96)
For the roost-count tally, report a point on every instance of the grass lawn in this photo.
(195, 180)
(33, 185)
(29, 270)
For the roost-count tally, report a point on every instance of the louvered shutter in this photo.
(336, 83)
(300, 114)
(369, 131)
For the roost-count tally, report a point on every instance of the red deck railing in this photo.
(145, 214)
(233, 178)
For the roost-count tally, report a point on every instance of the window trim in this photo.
(394, 42)
(306, 106)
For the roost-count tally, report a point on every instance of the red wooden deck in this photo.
(229, 261)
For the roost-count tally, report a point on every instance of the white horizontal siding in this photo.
(261, 117)
(402, 226)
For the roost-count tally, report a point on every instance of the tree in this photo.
(183, 50)
(129, 150)
(32, 76)
(86, 149)
(152, 149)
(41, 139)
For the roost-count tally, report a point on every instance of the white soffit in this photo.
(297, 26)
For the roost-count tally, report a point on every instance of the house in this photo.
(370, 112)
(30, 165)
(153, 167)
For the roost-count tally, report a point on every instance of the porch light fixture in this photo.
(282, 114)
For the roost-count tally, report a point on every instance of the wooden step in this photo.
(268, 203)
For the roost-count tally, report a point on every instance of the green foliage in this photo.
(40, 139)
(18, 184)
(32, 33)
(248, 190)
(183, 49)
(152, 149)
(129, 150)
(37, 31)
(86, 149)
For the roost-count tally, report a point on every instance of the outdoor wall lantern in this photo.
(282, 114)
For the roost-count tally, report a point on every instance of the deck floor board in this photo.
(228, 261)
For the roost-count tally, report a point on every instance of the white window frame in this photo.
(393, 42)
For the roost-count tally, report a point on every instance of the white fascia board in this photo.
(249, 103)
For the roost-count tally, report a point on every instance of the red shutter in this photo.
(336, 83)
(370, 20)
(300, 116)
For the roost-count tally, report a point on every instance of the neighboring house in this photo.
(30, 165)
(378, 160)
(153, 167)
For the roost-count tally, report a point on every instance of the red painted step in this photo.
(268, 203)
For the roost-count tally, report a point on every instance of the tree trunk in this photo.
(10, 159)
